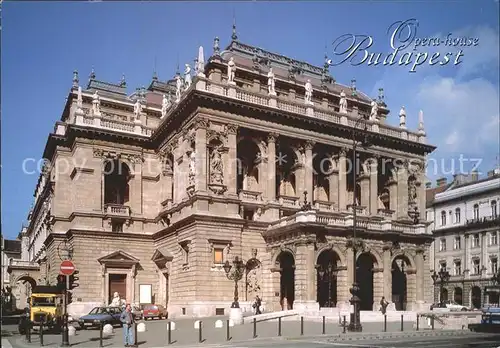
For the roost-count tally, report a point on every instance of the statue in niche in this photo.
(270, 82)
(374, 111)
(412, 192)
(216, 166)
(231, 68)
(192, 168)
(343, 103)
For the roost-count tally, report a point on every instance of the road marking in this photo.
(345, 344)
(6, 343)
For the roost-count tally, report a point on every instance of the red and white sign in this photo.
(67, 267)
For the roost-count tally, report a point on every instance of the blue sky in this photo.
(42, 43)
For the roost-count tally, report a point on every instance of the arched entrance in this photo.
(458, 296)
(326, 276)
(22, 291)
(475, 297)
(287, 279)
(253, 276)
(364, 277)
(400, 282)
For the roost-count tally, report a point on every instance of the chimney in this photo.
(428, 185)
(474, 175)
(441, 182)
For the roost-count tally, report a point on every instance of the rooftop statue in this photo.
(165, 105)
(374, 111)
(187, 77)
(96, 104)
(270, 82)
(137, 109)
(231, 68)
(402, 117)
(201, 63)
(178, 91)
(343, 103)
(309, 91)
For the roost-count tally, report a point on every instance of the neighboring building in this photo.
(464, 217)
(11, 252)
(154, 194)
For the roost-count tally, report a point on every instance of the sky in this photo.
(43, 42)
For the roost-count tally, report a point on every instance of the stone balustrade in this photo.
(327, 114)
(22, 264)
(250, 196)
(104, 121)
(346, 220)
(117, 210)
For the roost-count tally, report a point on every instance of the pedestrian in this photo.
(257, 305)
(127, 318)
(383, 305)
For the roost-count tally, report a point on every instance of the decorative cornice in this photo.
(272, 137)
(231, 129)
(201, 122)
(309, 144)
(106, 154)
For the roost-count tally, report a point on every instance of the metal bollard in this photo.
(135, 334)
(169, 332)
(101, 327)
(324, 325)
(227, 331)
(417, 321)
(302, 326)
(41, 333)
(402, 329)
(385, 322)
(200, 332)
(432, 323)
(344, 325)
(28, 330)
(254, 328)
(279, 326)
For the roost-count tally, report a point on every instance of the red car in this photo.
(154, 311)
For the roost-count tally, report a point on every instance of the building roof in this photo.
(12, 246)
(431, 193)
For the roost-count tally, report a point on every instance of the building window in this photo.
(456, 243)
(185, 252)
(457, 215)
(494, 238)
(442, 244)
(476, 211)
(218, 256)
(443, 218)
(475, 241)
(494, 265)
(442, 266)
(494, 208)
(117, 226)
(476, 266)
(457, 269)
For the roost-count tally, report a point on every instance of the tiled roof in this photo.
(432, 192)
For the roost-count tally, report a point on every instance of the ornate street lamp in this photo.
(443, 276)
(236, 275)
(65, 250)
(354, 323)
(328, 273)
(415, 215)
(307, 205)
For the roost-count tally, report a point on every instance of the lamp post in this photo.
(307, 205)
(328, 273)
(235, 275)
(65, 252)
(443, 276)
(354, 322)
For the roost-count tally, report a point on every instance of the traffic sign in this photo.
(67, 267)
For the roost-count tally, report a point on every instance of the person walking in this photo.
(257, 305)
(383, 305)
(127, 318)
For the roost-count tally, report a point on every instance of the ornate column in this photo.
(411, 289)
(271, 166)
(378, 286)
(305, 277)
(333, 181)
(308, 170)
(419, 283)
(421, 190)
(201, 126)
(373, 169)
(232, 131)
(402, 178)
(364, 185)
(342, 189)
(387, 272)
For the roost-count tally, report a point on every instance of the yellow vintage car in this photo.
(45, 306)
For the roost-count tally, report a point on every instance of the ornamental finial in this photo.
(92, 74)
(123, 83)
(234, 36)
(216, 46)
(76, 80)
(353, 87)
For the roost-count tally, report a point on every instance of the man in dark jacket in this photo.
(127, 318)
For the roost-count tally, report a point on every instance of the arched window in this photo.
(476, 211)
(494, 208)
(457, 215)
(443, 218)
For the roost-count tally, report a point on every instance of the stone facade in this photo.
(162, 193)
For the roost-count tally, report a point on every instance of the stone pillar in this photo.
(364, 185)
(421, 197)
(305, 278)
(201, 154)
(387, 273)
(308, 171)
(378, 286)
(135, 186)
(271, 166)
(232, 157)
(342, 189)
(419, 282)
(467, 246)
(373, 167)
(393, 194)
(343, 285)
(402, 207)
(276, 295)
(411, 289)
(333, 181)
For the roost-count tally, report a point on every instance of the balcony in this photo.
(117, 211)
(22, 265)
(250, 196)
(341, 220)
(288, 201)
(324, 205)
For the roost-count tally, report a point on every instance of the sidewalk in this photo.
(186, 335)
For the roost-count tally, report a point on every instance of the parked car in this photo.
(137, 312)
(451, 305)
(106, 315)
(154, 311)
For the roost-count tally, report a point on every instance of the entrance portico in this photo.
(313, 267)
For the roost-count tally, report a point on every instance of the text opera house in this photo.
(246, 154)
